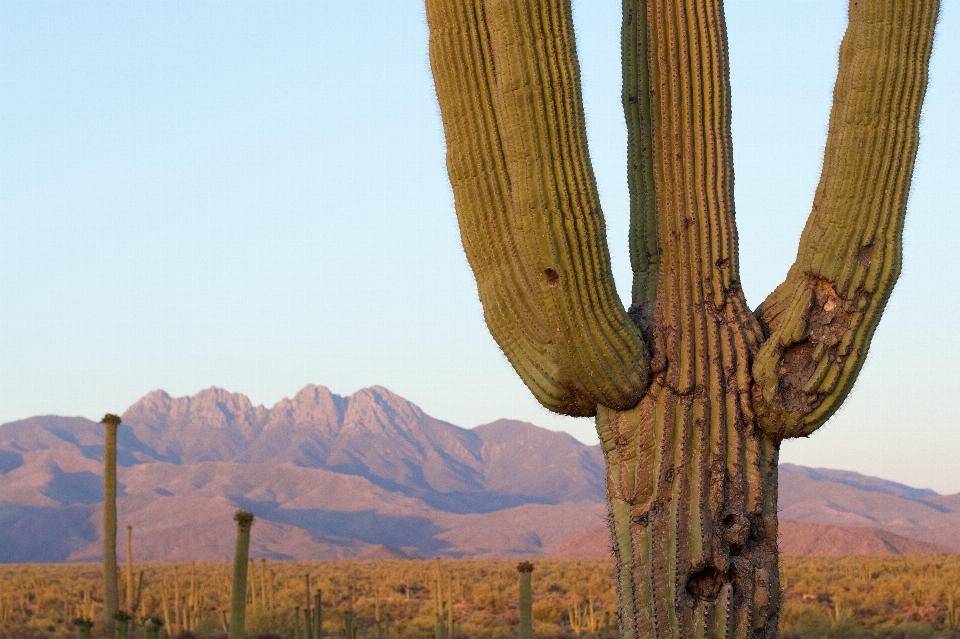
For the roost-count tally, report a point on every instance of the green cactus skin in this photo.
(83, 627)
(692, 434)
(307, 613)
(123, 623)
(111, 592)
(238, 594)
(525, 568)
(528, 206)
(821, 319)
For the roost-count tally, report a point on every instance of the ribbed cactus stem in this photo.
(821, 319)
(690, 435)
(527, 201)
(111, 595)
(525, 568)
(238, 597)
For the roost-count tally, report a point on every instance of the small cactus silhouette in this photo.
(83, 625)
(238, 602)
(111, 594)
(525, 568)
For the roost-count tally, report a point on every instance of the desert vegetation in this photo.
(894, 597)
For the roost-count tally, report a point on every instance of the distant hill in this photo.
(366, 475)
(327, 477)
(804, 538)
(843, 498)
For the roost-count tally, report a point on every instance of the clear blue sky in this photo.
(253, 195)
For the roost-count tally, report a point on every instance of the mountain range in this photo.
(372, 475)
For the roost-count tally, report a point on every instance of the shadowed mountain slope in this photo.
(366, 475)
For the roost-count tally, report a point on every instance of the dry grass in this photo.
(900, 597)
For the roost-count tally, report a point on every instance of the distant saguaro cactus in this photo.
(83, 625)
(525, 568)
(692, 391)
(131, 600)
(238, 597)
(123, 624)
(111, 595)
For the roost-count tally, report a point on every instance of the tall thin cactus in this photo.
(238, 596)
(691, 390)
(131, 602)
(307, 612)
(111, 595)
(525, 568)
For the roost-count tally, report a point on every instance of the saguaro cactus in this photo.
(123, 624)
(131, 600)
(692, 391)
(111, 594)
(83, 625)
(525, 568)
(238, 595)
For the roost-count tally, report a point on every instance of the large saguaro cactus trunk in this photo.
(692, 391)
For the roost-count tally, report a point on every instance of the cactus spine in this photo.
(238, 597)
(692, 391)
(111, 595)
(525, 568)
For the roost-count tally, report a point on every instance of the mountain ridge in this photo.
(367, 474)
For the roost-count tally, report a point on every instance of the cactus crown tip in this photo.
(525, 566)
(243, 517)
(110, 418)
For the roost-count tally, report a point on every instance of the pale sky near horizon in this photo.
(253, 196)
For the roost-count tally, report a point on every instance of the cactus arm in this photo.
(507, 81)
(821, 319)
(637, 111)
